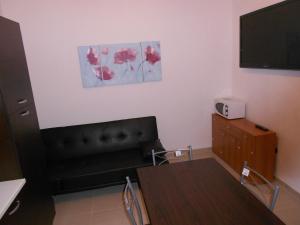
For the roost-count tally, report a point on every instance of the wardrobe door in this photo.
(25, 129)
(14, 82)
(9, 163)
(10, 33)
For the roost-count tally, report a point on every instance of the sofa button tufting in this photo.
(104, 138)
(121, 136)
(66, 141)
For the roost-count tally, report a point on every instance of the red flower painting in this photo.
(92, 57)
(151, 55)
(107, 73)
(101, 72)
(104, 73)
(125, 55)
(112, 64)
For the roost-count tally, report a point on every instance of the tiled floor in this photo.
(105, 207)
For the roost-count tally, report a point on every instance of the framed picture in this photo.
(114, 64)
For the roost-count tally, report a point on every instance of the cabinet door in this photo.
(214, 134)
(236, 148)
(239, 156)
(10, 34)
(15, 85)
(218, 144)
(227, 146)
(9, 163)
(14, 82)
(236, 154)
(219, 137)
(265, 155)
(249, 150)
(25, 130)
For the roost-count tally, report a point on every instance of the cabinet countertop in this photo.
(8, 192)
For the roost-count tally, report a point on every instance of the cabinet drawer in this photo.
(32, 206)
(15, 215)
(15, 85)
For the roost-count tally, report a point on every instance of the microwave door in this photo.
(220, 107)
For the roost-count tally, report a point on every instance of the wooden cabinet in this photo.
(236, 141)
(21, 150)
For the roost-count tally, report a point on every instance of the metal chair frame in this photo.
(274, 187)
(161, 155)
(131, 202)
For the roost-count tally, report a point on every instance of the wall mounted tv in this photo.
(270, 37)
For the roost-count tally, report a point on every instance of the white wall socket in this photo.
(178, 153)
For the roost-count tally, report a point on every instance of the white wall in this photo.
(272, 100)
(196, 45)
(0, 9)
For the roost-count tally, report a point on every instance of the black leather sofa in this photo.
(97, 155)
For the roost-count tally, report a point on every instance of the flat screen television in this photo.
(270, 37)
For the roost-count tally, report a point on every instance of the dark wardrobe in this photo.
(21, 149)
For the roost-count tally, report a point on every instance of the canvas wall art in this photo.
(114, 64)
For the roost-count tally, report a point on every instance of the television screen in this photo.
(270, 37)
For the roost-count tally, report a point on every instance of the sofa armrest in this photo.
(147, 147)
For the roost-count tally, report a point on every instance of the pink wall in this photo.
(272, 100)
(196, 45)
(200, 51)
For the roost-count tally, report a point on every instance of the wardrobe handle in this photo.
(16, 208)
(25, 113)
(22, 101)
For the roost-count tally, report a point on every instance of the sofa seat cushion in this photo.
(98, 164)
(108, 167)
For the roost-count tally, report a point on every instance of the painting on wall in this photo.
(103, 65)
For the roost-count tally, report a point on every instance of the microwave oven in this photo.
(230, 108)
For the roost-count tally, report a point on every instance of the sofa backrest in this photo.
(90, 139)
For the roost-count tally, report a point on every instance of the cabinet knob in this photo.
(238, 147)
(22, 101)
(18, 203)
(25, 113)
(251, 153)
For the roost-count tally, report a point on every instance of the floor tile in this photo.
(107, 199)
(111, 217)
(75, 203)
(73, 219)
